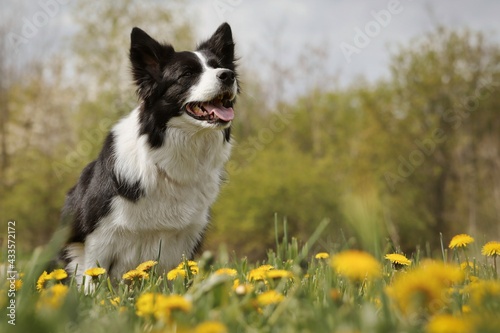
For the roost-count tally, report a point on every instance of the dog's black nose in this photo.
(226, 76)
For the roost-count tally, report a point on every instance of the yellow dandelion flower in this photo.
(40, 283)
(322, 255)
(175, 273)
(448, 324)
(177, 302)
(278, 274)
(483, 291)
(18, 284)
(146, 266)
(144, 304)
(58, 274)
(226, 271)
(211, 327)
(466, 265)
(269, 297)
(265, 267)
(95, 272)
(115, 301)
(356, 265)
(424, 287)
(413, 293)
(398, 259)
(52, 297)
(191, 265)
(135, 274)
(151, 305)
(444, 273)
(473, 279)
(256, 275)
(259, 273)
(160, 306)
(460, 241)
(491, 249)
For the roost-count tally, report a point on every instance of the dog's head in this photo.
(184, 89)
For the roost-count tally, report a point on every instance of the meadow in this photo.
(402, 166)
(294, 290)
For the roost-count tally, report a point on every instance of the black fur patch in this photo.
(90, 200)
(221, 46)
(227, 134)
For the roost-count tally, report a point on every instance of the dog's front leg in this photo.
(97, 254)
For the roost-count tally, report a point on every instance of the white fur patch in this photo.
(209, 85)
(76, 253)
(180, 181)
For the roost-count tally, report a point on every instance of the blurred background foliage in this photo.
(402, 159)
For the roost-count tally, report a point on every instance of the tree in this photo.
(444, 112)
(405, 158)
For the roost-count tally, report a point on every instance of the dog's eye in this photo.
(187, 74)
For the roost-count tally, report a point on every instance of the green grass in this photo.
(425, 296)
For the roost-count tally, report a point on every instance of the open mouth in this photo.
(218, 110)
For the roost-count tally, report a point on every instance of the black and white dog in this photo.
(147, 196)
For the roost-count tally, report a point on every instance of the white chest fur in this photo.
(180, 181)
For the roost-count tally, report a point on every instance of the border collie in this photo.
(147, 195)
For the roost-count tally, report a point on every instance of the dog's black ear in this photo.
(221, 44)
(148, 58)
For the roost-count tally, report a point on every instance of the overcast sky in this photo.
(258, 25)
(282, 30)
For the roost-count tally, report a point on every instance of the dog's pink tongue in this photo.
(226, 114)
